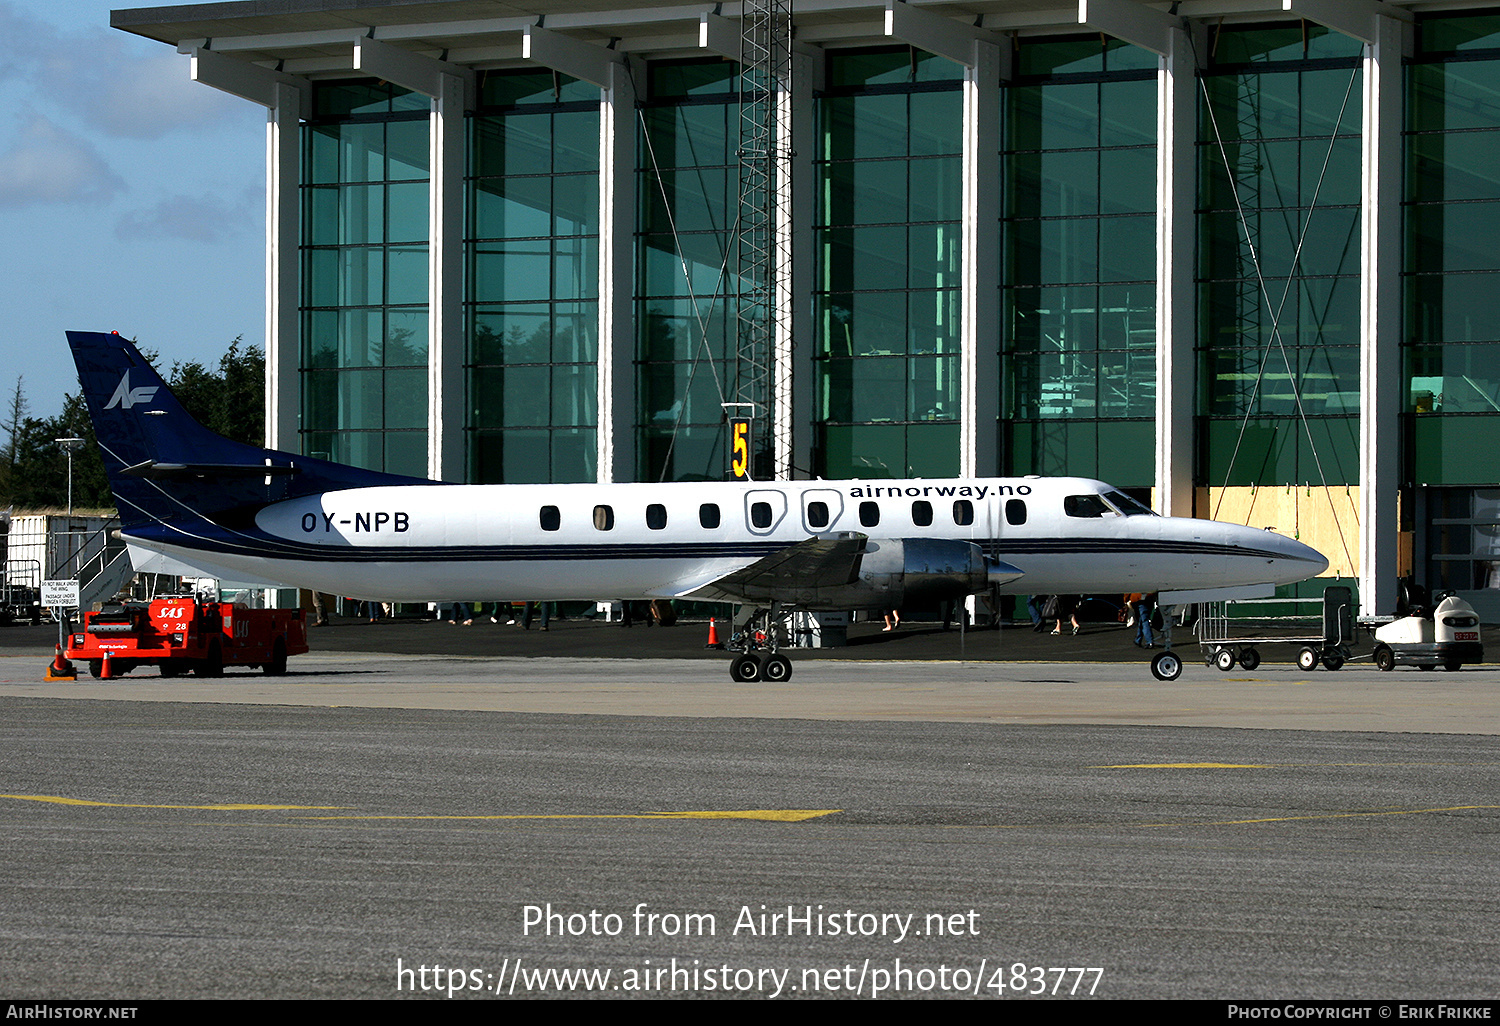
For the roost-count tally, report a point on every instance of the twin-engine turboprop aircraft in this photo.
(194, 502)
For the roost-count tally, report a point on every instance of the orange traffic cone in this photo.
(713, 634)
(107, 670)
(60, 668)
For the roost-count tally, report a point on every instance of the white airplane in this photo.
(196, 503)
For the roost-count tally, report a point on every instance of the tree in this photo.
(34, 471)
(15, 418)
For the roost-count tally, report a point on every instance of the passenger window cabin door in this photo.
(764, 510)
(821, 509)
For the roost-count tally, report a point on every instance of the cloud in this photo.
(50, 165)
(121, 85)
(204, 218)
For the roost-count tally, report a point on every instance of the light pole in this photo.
(69, 446)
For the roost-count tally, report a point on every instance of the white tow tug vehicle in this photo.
(1448, 637)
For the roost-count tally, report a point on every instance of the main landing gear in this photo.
(756, 642)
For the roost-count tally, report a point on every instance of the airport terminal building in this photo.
(1236, 256)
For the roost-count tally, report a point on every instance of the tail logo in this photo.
(125, 397)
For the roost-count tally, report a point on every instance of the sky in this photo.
(131, 199)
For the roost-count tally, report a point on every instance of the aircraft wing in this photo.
(791, 573)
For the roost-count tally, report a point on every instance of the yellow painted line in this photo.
(1230, 822)
(234, 807)
(1338, 815)
(775, 815)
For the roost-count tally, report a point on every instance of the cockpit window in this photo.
(1130, 507)
(1087, 506)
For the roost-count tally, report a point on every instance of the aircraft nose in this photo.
(1295, 561)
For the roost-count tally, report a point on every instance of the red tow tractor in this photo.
(183, 634)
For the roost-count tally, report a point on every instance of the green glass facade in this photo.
(1078, 280)
(1279, 257)
(532, 283)
(686, 283)
(887, 229)
(1452, 267)
(364, 277)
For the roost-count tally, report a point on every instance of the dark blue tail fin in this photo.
(164, 466)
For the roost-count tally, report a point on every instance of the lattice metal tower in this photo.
(763, 252)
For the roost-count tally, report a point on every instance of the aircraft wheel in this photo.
(1307, 660)
(745, 669)
(777, 669)
(1385, 659)
(1166, 666)
(1249, 659)
(1333, 661)
(1224, 660)
(277, 666)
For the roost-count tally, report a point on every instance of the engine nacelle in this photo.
(898, 571)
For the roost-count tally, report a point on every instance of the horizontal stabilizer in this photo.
(157, 470)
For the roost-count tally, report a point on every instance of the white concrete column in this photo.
(283, 270)
(446, 393)
(979, 328)
(616, 382)
(1176, 313)
(1380, 316)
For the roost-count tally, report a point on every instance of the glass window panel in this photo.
(575, 455)
(513, 208)
(512, 334)
(1068, 182)
(936, 121)
(864, 192)
(932, 391)
(885, 66)
(526, 144)
(406, 338)
(576, 204)
(526, 396)
(340, 99)
(575, 269)
(575, 141)
(408, 213)
(1130, 252)
(1068, 116)
(867, 258)
(1127, 183)
(1454, 308)
(1061, 56)
(863, 127)
(527, 458)
(932, 450)
(863, 324)
(575, 396)
(487, 397)
(406, 398)
(519, 271)
(868, 390)
(1454, 96)
(1454, 166)
(937, 189)
(408, 274)
(407, 149)
(933, 256)
(864, 451)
